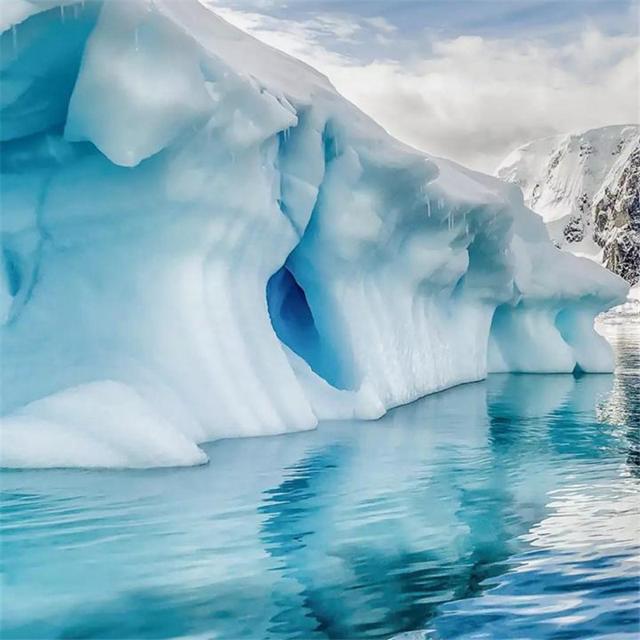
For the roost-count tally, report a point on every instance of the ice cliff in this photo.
(202, 239)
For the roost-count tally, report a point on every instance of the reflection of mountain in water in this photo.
(622, 405)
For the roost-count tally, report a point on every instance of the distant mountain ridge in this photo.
(586, 187)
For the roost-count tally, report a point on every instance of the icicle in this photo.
(428, 206)
(62, 12)
(136, 39)
(14, 38)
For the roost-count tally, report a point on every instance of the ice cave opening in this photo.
(294, 324)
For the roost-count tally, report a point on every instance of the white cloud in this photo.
(472, 99)
(301, 39)
(381, 24)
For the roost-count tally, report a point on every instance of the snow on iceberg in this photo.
(202, 239)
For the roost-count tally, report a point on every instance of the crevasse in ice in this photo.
(202, 239)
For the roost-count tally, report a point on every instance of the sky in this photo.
(465, 79)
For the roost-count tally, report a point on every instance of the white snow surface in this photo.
(202, 239)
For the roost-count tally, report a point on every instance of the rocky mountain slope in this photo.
(586, 187)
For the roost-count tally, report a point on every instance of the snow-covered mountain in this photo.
(586, 186)
(202, 239)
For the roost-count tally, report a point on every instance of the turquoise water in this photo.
(501, 509)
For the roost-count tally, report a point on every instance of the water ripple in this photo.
(503, 509)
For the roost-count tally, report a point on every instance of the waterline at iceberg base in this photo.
(202, 239)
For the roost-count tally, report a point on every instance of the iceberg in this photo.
(201, 239)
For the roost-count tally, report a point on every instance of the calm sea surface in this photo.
(508, 508)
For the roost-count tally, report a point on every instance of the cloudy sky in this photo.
(465, 79)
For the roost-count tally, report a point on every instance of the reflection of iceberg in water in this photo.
(352, 530)
(528, 395)
(577, 575)
(428, 502)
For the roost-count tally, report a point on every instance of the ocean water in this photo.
(507, 508)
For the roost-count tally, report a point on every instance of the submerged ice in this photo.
(202, 239)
